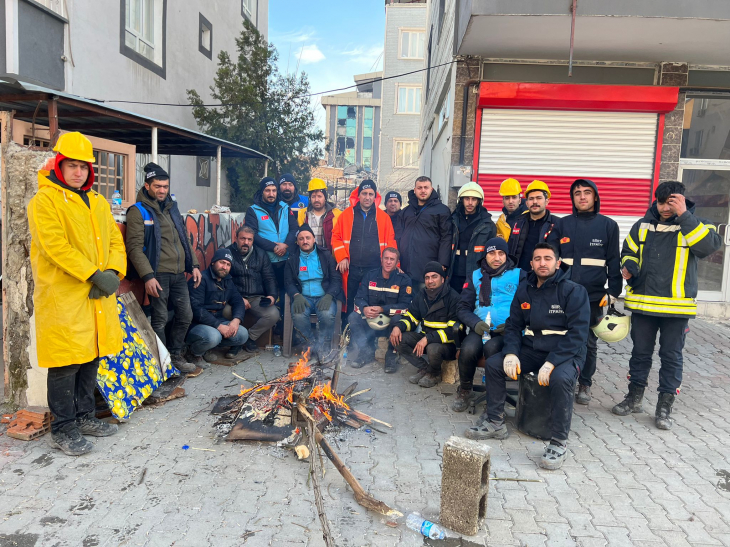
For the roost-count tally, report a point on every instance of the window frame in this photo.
(411, 31)
(254, 15)
(419, 104)
(414, 153)
(124, 49)
(202, 23)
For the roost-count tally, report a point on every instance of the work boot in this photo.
(391, 362)
(487, 430)
(416, 378)
(583, 397)
(554, 455)
(182, 364)
(662, 417)
(70, 441)
(463, 396)
(95, 427)
(356, 362)
(430, 379)
(251, 346)
(198, 361)
(632, 402)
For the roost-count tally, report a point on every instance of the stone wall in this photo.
(672, 74)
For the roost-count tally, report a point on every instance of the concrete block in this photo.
(450, 372)
(381, 349)
(464, 485)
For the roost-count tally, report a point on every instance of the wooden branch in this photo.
(368, 419)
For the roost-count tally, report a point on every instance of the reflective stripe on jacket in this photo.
(436, 319)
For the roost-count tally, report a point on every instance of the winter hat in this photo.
(367, 184)
(434, 267)
(288, 177)
(496, 244)
(267, 181)
(393, 194)
(154, 171)
(304, 228)
(222, 254)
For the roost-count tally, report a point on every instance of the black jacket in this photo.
(393, 294)
(397, 220)
(255, 277)
(425, 236)
(211, 296)
(518, 235)
(252, 220)
(437, 320)
(364, 240)
(589, 246)
(512, 217)
(555, 319)
(484, 231)
(331, 281)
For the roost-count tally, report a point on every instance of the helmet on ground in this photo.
(75, 146)
(613, 327)
(317, 184)
(380, 322)
(537, 185)
(471, 189)
(510, 187)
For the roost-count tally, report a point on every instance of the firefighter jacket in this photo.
(555, 319)
(331, 280)
(506, 220)
(473, 308)
(518, 235)
(393, 294)
(342, 232)
(73, 234)
(328, 222)
(589, 246)
(662, 258)
(437, 319)
(474, 252)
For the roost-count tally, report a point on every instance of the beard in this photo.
(287, 194)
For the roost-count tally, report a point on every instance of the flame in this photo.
(290, 394)
(301, 370)
(324, 392)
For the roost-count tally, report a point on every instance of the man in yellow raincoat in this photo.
(78, 258)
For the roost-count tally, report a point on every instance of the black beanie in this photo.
(267, 181)
(367, 184)
(305, 228)
(222, 254)
(496, 244)
(434, 267)
(154, 171)
(288, 177)
(393, 194)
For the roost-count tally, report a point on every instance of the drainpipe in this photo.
(464, 110)
(572, 38)
(266, 168)
(218, 176)
(154, 145)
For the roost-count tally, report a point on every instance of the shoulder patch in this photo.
(409, 290)
(395, 287)
(525, 305)
(565, 240)
(479, 248)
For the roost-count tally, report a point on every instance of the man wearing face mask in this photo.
(289, 193)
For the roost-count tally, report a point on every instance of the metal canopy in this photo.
(33, 103)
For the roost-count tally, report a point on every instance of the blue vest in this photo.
(504, 288)
(269, 230)
(311, 274)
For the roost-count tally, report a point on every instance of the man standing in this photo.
(320, 215)
(659, 260)
(288, 188)
(276, 227)
(426, 235)
(362, 231)
(588, 242)
(434, 308)
(533, 227)
(77, 258)
(513, 206)
(484, 308)
(553, 313)
(384, 295)
(210, 328)
(159, 253)
(313, 284)
(473, 227)
(393, 204)
(254, 278)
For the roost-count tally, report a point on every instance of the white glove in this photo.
(612, 299)
(543, 376)
(511, 366)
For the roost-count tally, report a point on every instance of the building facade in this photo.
(404, 52)
(643, 96)
(352, 131)
(129, 52)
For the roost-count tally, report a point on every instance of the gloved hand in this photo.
(95, 293)
(607, 300)
(299, 304)
(481, 327)
(107, 282)
(511, 366)
(325, 302)
(543, 376)
(612, 299)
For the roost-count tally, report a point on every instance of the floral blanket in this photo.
(128, 378)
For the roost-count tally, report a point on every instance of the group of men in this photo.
(522, 294)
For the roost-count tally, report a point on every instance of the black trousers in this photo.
(437, 353)
(672, 333)
(175, 292)
(354, 277)
(362, 337)
(71, 393)
(472, 349)
(279, 274)
(589, 367)
(562, 386)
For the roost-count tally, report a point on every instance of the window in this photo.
(346, 135)
(406, 154)
(249, 9)
(205, 37)
(428, 62)
(53, 5)
(109, 173)
(143, 33)
(202, 176)
(412, 44)
(445, 111)
(409, 100)
(367, 138)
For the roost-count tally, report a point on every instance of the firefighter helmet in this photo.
(380, 322)
(613, 327)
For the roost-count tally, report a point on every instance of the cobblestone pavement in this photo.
(625, 482)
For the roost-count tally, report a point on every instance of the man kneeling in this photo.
(554, 314)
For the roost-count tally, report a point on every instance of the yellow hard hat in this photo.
(510, 187)
(317, 184)
(537, 185)
(471, 189)
(75, 146)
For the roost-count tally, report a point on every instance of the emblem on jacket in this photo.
(372, 284)
(302, 268)
(525, 305)
(409, 290)
(596, 243)
(265, 217)
(565, 240)
(479, 249)
(516, 230)
(555, 308)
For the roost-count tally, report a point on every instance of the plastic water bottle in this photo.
(172, 197)
(276, 349)
(116, 203)
(486, 336)
(425, 527)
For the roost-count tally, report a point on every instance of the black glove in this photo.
(481, 327)
(95, 293)
(325, 302)
(299, 304)
(107, 282)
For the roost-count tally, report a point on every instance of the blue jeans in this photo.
(202, 338)
(325, 323)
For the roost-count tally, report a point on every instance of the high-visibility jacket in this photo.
(342, 232)
(436, 319)
(661, 257)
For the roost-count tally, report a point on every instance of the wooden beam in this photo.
(20, 97)
(6, 136)
(53, 122)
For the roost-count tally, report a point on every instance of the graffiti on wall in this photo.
(207, 233)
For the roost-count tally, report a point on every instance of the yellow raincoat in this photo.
(70, 242)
